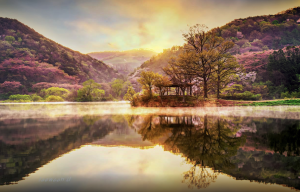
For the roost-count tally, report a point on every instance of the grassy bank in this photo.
(273, 103)
(176, 101)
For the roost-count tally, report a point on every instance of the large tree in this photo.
(147, 80)
(225, 71)
(205, 49)
(90, 92)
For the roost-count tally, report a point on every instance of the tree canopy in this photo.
(90, 92)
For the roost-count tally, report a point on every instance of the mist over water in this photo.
(114, 147)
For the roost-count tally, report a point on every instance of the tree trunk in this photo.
(183, 90)
(150, 92)
(205, 87)
(218, 87)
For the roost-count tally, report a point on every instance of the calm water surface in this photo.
(113, 147)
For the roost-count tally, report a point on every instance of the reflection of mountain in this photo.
(18, 159)
(20, 131)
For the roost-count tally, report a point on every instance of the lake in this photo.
(114, 147)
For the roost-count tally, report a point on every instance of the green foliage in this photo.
(232, 89)
(90, 92)
(247, 95)
(4, 96)
(265, 48)
(53, 98)
(274, 91)
(117, 86)
(284, 67)
(10, 39)
(275, 22)
(275, 103)
(147, 80)
(56, 91)
(290, 37)
(19, 39)
(129, 95)
(20, 97)
(110, 97)
(246, 44)
(294, 94)
(135, 100)
(35, 97)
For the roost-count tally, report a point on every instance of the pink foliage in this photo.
(10, 86)
(239, 35)
(253, 61)
(267, 40)
(22, 71)
(45, 85)
(250, 49)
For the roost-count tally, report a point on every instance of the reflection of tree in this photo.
(286, 141)
(199, 177)
(130, 119)
(150, 130)
(203, 141)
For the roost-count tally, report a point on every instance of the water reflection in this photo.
(203, 141)
(244, 147)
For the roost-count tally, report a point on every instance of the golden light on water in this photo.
(141, 167)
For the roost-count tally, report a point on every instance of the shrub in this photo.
(135, 100)
(20, 97)
(11, 87)
(90, 92)
(145, 96)
(4, 96)
(56, 91)
(293, 94)
(35, 97)
(285, 95)
(247, 95)
(10, 39)
(53, 98)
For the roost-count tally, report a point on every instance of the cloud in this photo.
(157, 24)
(99, 25)
(113, 46)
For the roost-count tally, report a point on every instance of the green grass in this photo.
(274, 103)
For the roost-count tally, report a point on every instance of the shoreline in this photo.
(158, 102)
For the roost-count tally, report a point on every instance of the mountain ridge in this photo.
(24, 53)
(124, 61)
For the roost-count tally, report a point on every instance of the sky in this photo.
(119, 25)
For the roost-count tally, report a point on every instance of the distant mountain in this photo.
(124, 61)
(29, 58)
